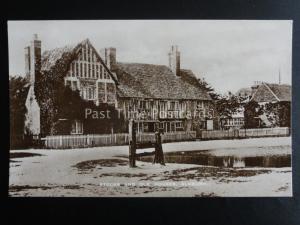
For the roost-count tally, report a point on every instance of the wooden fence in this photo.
(244, 133)
(80, 141)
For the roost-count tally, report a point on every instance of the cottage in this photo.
(275, 104)
(263, 92)
(153, 95)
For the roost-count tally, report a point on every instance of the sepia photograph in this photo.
(150, 108)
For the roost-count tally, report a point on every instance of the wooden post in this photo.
(159, 155)
(132, 143)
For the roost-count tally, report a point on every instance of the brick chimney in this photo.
(174, 60)
(110, 56)
(34, 59)
(27, 62)
(32, 123)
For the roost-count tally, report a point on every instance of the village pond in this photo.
(209, 158)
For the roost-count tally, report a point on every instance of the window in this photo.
(77, 70)
(176, 105)
(172, 106)
(110, 92)
(142, 105)
(101, 91)
(81, 69)
(89, 70)
(74, 85)
(77, 127)
(172, 127)
(145, 127)
(73, 69)
(88, 53)
(84, 54)
(93, 71)
(178, 124)
(101, 71)
(89, 93)
(97, 71)
(68, 83)
(161, 125)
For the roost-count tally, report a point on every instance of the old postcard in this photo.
(150, 108)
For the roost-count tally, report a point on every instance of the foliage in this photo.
(60, 105)
(18, 89)
(228, 105)
(252, 111)
(224, 105)
(278, 113)
(209, 89)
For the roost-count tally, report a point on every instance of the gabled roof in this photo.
(132, 79)
(282, 91)
(157, 81)
(59, 57)
(51, 57)
(272, 93)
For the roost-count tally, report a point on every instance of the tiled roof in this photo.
(157, 81)
(51, 57)
(282, 91)
(272, 92)
(55, 61)
(133, 79)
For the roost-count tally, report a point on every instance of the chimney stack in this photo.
(34, 58)
(27, 62)
(174, 60)
(110, 56)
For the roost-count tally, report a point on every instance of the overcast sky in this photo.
(229, 54)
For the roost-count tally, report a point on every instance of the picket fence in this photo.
(245, 133)
(94, 140)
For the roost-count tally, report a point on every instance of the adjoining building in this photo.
(275, 102)
(263, 92)
(235, 121)
(153, 95)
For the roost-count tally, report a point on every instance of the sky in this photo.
(229, 54)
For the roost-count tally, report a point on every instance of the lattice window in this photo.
(101, 91)
(111, 92)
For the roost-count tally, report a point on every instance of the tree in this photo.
(251, 114)
(228, 105)
(18, 89)
(278, 113)
(208, 88)
(60, 106)
(224, 105)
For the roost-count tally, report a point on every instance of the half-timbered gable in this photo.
(86, 72)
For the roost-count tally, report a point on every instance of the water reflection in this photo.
(225, 161)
